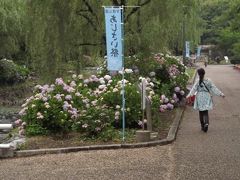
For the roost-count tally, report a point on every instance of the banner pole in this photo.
(123, 82)
(123, 71)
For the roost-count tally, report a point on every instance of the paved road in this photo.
(216, 154)
(194, 155)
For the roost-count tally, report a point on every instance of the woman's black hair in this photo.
(201, 73)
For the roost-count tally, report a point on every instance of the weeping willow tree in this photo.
(61, 31)
(162, 24)
(12, 29)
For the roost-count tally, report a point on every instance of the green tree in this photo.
(12, 29)
(222, 27)
(54, 36)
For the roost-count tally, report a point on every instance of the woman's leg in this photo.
(205, 120)
(205, 117)
(201, 113)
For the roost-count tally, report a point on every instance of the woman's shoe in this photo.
(205, 129)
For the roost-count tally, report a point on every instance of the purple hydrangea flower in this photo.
(170, 106)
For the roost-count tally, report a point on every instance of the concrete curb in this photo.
(170, 138)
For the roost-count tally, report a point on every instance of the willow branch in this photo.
(89, 20)
(135, 9)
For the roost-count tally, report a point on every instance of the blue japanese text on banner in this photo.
(113, 38)
(198, 51)
(187, 44)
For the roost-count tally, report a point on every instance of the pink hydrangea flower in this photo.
(166, 100)
(163, 97)
(140, 123)
(107, 77)
(86, 81)
(18, 122)
(77, 94)
(24, 124)
(73, 84)
(174, 96)
(162, 108)
(39, 115)
(58, 97)
(21, 132)
(97, 129)
(85, 125)
(68, 97)
(59, 81)
(182, 92)
(177, 89)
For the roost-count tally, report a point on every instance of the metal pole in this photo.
(123, 82)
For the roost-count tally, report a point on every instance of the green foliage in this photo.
(222, 18)
(113, 98)
(36, 129)
(235, 60)
(90, 106)
(109, 134)
(46, 35)
(11, 73)
(12, 29)
(211, 13)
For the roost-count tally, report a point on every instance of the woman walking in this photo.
(203, 89)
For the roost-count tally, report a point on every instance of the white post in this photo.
(6, 126)
(143, 88)
(5, 146)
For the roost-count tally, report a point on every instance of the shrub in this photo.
(113, 98)
(85, 105)
(235, 60)
(92, 106)
(11, 73)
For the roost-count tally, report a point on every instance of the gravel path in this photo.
(194, 155)
(145, 163)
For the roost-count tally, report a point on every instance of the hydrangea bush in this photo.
(92, 105)
(89, 106)
(166, 82)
